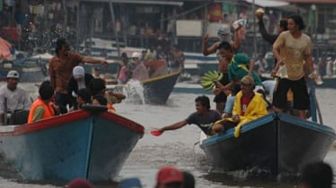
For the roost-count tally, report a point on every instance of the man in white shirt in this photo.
(12, 97)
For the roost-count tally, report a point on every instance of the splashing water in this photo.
(134, 92)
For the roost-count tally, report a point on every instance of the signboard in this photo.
(189, 28)
(213, 28)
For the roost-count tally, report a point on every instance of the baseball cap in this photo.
(169, 174)
(79, 183)
(247, 80)
(78, 72)
(13, 74)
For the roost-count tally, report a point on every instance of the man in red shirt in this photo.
(60, 71)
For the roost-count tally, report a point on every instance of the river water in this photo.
(179, 147)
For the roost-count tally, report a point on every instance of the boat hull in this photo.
(276, 144)
(157, 90)
(79, 144)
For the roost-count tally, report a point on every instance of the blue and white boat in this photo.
(278, 144)
(90, 144)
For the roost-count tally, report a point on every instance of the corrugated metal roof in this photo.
(313, 1)
(268, 3)
(155, 2)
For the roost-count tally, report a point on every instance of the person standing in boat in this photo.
(248, 106)
(225, 52)
(293, 52)
(204, 117)
(60, 71)
(42, 107)
(13, 99)
(224, 34)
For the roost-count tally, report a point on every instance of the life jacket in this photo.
(48, 110)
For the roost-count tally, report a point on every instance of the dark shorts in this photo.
(300, 94)
(220, 98)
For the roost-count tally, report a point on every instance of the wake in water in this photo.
(134, 92)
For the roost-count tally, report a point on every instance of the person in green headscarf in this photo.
(241, 66)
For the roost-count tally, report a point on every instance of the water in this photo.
(178, 147)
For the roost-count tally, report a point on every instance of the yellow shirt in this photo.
(293, 51)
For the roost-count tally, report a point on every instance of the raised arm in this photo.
(265, 35)
(206, 49)
(91, 60)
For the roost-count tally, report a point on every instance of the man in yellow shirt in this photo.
(292, 50)
(248, 106)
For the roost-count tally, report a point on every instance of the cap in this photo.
(169, 174)
(136, 55)
(247, 80)
(13, 74)
(130, 183)
(78, 72)
(79, 183)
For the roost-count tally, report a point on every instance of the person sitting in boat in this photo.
(248, 106)
(83, 97)
(98, 88)
(42, 107)
(139, 71)
(177, 58)
(79, 80)
(224, 34)
(239, 67)
(156, 68)
(123, 73)
(13, 100)
(204, 117)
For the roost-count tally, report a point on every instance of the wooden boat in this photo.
(91, 144)
(158, 89)
(279, 144)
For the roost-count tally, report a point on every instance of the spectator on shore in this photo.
(169, 177)
(317, 175)
(79, 183)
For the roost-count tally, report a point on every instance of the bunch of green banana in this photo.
(208, 79)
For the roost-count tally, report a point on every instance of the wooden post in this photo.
(114, 22)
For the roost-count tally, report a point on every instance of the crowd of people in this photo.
(68, 89)
(149, 64)
(240, 95)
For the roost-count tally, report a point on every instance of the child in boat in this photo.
(248, 105)
(83, 97)
(204, 117)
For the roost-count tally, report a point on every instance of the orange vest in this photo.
(48, 110)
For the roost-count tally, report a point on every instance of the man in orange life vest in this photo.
(42, 108)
